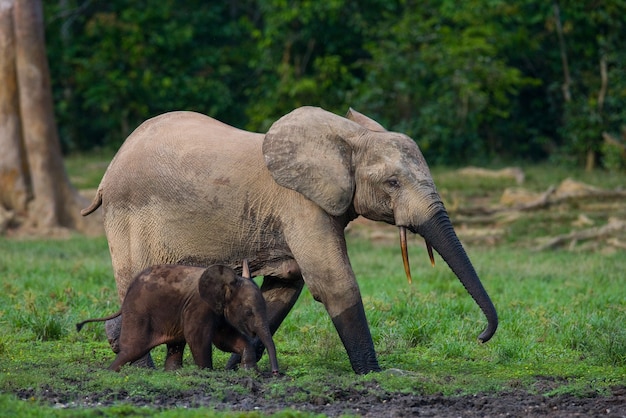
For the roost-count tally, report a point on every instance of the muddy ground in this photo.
(368, 401)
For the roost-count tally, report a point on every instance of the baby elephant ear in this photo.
(308, 150)
(216, 286)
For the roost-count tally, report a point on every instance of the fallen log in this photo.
(521, 200)
(514, 173)
(613, 227)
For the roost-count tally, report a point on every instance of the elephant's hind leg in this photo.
(113, 329)
(174, 357)
(280, 295)
(132, 355)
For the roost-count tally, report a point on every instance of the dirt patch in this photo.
(367, 401)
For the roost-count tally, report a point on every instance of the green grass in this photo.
(561, 317)
(86, 169)
(561, 320)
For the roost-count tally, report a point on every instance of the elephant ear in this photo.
(365, 121)
(217, 286)
(308, 151)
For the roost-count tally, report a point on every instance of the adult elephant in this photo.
(186, 188)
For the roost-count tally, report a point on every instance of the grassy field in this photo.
(562, 316)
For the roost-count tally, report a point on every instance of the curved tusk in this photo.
(430, 253)
(405, 254)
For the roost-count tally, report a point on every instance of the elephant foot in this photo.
(235, 359)
(357, 339)
(174, 357)
(112, 328)
(233, 362)
(146, 361)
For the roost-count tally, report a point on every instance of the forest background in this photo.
(478, 81)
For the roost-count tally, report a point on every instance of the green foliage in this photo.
(593, 35)
(613, 156)
(122, 62)
(306, 56)
(444, 79)
(471, 82)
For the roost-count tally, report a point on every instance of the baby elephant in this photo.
(176, 304)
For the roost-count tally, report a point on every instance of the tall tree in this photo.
(13, 189)
(39, 190)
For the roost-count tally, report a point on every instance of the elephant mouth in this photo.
(405, 252)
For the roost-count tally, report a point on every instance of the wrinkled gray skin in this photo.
(178, 305)
(186, 188)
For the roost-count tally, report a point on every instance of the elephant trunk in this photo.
(266, 338)
(438, 232)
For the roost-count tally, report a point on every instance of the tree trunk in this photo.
(38, 182)
(13, 170)
(567, 81)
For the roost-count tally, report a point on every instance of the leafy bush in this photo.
(471, 82)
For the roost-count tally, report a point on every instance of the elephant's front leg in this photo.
(342, 299)
(280, 295)
(355, 335)
(325, 266)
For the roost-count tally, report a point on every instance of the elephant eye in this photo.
(249, 313)
(392, 182)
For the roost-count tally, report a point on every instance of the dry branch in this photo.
(487, 223)
(514, 173)
(521, 200)
(612, 227)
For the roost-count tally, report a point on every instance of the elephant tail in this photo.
(80, 325)
(95, 204)
(97, 201)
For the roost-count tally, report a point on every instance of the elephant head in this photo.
(240, 301)
(353, 165)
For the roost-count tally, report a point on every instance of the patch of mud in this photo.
(368, 401)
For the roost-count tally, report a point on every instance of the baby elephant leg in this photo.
(126, 356)
(232, 341)
(113, 330)
(200, 346)
(174, 357)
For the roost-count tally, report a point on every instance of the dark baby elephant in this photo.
(198, 306)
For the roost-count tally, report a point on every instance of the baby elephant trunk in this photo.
(266, 338)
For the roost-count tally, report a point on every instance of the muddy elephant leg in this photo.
(357, 338)
(249, 358)
(280, 296)
(113, 328)
(174, 357)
